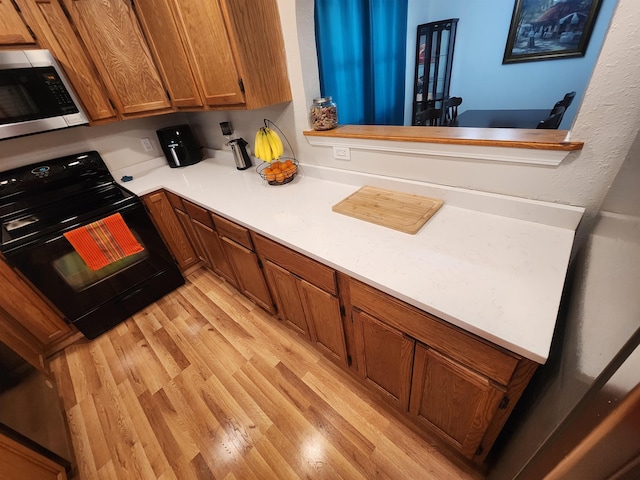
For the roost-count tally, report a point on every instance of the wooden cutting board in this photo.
(401, 211)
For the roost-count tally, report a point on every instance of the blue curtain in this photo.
(361, 48)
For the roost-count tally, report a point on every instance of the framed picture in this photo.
(547, 29)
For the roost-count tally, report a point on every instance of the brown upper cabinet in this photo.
(220, 53)
(13, 31)
(127, 59)
(114, 40)
(54, 32)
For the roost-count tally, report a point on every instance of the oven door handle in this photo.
(57, 235)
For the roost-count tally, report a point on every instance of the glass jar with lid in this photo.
(324, 114)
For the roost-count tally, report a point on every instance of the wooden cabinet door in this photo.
(249, 274)
(322, 311)
(111, 32)
(29, 310)
(13, 31)
(385, 357)
(22, 342)
(55, 33)
(167, 223)
(284, 288)
(207, 43)
(187, 226)
(217, 259)
(256, 39)
(18, 461)
(157, 20)
(452, 400)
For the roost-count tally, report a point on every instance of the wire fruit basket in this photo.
(281, 170)
(278, 172)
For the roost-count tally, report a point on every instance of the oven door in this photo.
(57, 270)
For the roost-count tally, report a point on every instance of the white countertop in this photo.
(490, 264)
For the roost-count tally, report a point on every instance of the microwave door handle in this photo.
(175, 156)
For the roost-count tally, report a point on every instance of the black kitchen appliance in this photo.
(35, 96)
(179, 146)
(40, 202)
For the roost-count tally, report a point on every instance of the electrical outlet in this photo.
(341, 153)
(146, 144)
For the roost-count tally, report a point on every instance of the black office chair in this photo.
(430, 117)
(553, 121)
(565, 102)
(451, 105)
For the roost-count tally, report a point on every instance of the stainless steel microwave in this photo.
(35, 96)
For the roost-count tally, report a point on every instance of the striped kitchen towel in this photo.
(103, 242)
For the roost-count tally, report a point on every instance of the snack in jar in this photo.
(324, 114)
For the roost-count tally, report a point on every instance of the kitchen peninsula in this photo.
(485, 273)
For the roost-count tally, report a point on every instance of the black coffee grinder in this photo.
(238, 147)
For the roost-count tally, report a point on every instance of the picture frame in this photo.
(544, 30)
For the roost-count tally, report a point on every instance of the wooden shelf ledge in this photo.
(485, 137)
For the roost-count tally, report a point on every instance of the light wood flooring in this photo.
(205, 385)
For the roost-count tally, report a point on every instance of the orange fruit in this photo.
(276, 165)
(280, 177)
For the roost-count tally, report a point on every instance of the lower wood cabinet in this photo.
(308, 309)
(453, 400)
(247, 270)
(458, 387)
(28, 324)
(284, 287)
(18, 462)
(306, 296)
(216, 259)
(171, 229)
(385, 357)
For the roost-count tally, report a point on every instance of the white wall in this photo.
(608, 121)
(118, 143)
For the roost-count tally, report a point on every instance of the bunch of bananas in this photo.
(268, 145)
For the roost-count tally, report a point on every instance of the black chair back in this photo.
(430, 117)
(565, 102)
(553, 120)
(451, 105)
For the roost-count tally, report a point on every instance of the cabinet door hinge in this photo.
(479, 451)
(504, 403)
(168, 95)
(349, 361)
(241, 85)
(343, 312)
(260, 263)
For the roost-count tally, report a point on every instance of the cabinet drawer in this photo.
(198, 213)
(175, 200)
(490, 360)
(229, 229)
(313, 272)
